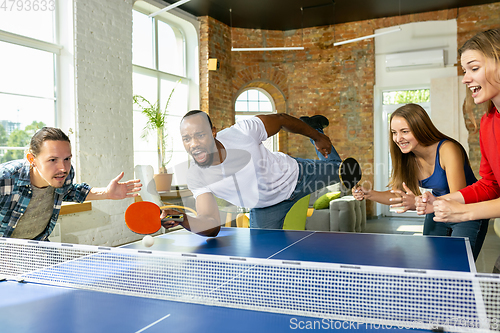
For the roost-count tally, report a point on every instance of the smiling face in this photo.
(52, 164)
(199, 139)
(402, 135)
(480, 74)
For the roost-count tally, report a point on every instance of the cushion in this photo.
(324, 201)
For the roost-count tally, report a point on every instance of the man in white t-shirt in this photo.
(234, 165)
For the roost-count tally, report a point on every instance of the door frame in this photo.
(382, 169)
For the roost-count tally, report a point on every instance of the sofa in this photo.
(344, 213)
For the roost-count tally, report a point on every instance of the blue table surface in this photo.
(31, 307)
(387, 250)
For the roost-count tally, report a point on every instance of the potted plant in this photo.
(156, 122)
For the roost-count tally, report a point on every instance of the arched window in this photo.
(253, 102)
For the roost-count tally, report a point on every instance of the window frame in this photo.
(386, 111)
(40, 45)
(185, 27)
(254, 113)
(274, 138)
(155, 51)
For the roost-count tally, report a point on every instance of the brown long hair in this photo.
(404, 166)
(488, 44)
(45, 134)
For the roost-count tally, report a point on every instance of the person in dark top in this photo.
(423, 157)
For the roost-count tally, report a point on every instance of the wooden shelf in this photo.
(173, 194)
(74, 207)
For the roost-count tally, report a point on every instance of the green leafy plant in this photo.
(156, 122)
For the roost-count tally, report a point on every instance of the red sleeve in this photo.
(482, 190)
(487, 187)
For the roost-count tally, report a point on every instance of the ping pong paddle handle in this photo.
(175, 218)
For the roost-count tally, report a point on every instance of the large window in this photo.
(159, 61)
(401, 97)
(28, 55)
(253, 102)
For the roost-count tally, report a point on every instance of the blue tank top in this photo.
(438, 183)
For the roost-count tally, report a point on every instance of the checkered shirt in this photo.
(15, 195)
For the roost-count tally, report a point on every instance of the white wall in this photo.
(95, 101)
(420, 36)
(100, 114)
(445, 98)
(448, 95)
(447, 91)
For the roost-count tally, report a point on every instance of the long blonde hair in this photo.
(488, 44)
(404, 166)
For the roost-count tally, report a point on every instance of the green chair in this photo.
(295, 219)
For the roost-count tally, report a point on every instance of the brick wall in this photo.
(103, 124)
(215, 86)
(336, 82)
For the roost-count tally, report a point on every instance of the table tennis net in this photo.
(452, 301)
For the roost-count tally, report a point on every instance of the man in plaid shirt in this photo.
(32, 190)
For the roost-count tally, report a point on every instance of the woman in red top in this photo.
(480, 58)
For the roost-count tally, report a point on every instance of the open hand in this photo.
(405, 199)
(116, 190)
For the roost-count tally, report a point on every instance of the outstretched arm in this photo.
(206, 223)
(116, 190)
(281, 121)
(383, 197)
(447, 210)
(395, 198)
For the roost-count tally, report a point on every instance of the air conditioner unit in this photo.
(414, 60)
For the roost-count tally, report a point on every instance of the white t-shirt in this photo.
(251, 176)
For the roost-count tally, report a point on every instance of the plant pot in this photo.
(163, 182)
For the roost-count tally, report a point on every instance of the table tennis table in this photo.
(36, 307)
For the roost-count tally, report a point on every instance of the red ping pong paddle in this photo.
(143, 217)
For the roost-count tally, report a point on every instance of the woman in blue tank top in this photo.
(423, 157)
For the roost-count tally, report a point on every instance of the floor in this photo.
(413, 226)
